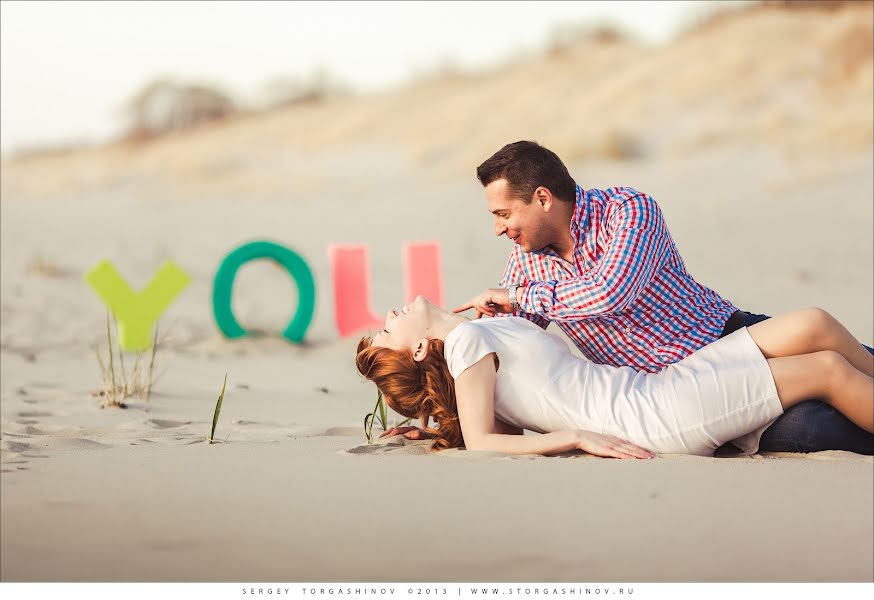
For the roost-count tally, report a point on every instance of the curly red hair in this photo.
(417, 390)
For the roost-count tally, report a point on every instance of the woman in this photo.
(484, 381)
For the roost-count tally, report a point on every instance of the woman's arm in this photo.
(475, 400)
(547, 443)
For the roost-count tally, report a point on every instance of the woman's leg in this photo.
(830, 376)
(813, 426)
(807, 331)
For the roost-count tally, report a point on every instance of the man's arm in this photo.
(636, 251)
(513, 274)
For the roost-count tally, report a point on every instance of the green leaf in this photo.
(218, 408)
(367, 430)
(383, 416)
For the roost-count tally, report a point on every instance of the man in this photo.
(603, 266)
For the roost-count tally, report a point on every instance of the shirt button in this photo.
(628, 330)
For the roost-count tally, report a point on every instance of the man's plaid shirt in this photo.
(627, 298)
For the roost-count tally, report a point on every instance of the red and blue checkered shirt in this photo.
(627, 298)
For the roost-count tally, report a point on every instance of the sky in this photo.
(67, 68)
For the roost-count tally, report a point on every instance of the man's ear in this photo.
(544, 198)
(421, 351)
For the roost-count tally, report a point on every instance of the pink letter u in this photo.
(351, 274)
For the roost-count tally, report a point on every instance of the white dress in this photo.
(723, 392)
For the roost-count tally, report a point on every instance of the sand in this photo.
(293, 492)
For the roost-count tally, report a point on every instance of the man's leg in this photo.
(812, 426)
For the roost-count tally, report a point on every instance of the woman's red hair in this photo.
(417, 390)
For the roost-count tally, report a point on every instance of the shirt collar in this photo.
(581, 212)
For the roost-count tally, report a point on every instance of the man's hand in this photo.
(411, 433)
(609, 446)
(491, 301)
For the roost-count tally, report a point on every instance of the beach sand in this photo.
(293, 492)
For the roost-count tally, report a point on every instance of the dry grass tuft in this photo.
(114, 390)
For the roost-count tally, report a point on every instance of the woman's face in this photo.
(405, 328)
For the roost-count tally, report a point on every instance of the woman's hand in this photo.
(411, 433)
(609, 446)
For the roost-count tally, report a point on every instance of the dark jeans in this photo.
(812, 425)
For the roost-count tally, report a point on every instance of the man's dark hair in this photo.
(526, 166)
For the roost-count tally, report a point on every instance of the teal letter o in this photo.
(296, 266)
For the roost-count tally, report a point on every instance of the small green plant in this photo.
(218, 409)
(138, 383)
(381, 411)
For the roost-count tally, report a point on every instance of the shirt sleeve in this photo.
(468, 345)
(513, 274)
(637, 249)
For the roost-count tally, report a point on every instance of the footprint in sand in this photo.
(46, 391)
(30, 414)
(43, 385)
(73, 444)
(343, 431)
(394, 445)
(31, 430)
(51, 443)
(167, 423)
(14, 446)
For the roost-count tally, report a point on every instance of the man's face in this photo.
(523, 223)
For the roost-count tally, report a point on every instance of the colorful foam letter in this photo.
(136, 313)
(292, 262)
(351, 289)
(352, 312)
(422, 271)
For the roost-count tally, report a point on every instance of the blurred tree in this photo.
(164, 106)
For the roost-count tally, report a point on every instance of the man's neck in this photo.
(564, 245)
(565, 248)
